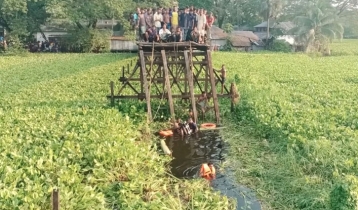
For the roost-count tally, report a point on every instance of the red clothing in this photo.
(210, 20)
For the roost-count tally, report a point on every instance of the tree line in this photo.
(317, 21)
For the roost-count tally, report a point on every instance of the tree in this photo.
(317, 29)
(270, 10)
(344, 5)
(228, 28)
(205, 4)
(246, 12)
(222, 9)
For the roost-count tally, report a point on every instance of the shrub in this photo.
(88, 40)
(280, 46)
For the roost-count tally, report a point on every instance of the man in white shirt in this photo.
(164, 33)
(201, 20)
(158, 19)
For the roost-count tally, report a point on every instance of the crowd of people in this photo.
(44, 46)
(172, 25)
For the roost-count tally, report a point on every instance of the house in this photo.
(279, 29)
(120, 44)
(218, 38)
(241, 40)
(56, 29)
(246, 40)
(50, 33)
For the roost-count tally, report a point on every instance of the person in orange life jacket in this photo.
(207, 171)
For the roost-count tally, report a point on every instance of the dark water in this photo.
(203, 147)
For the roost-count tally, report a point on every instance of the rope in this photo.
(151, 66)
(161, 100)
(165, 88)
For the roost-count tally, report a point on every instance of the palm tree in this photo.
(317, 29)
(270, 9)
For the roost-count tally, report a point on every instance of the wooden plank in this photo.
(55, 199)
(179, 62)
(111, 84)
(159, 96)
(213, 87)
(145, 86)
(206, 77)
(173, 45)
(130, 76)
(174, 54)
(167, 84)
(189, 76)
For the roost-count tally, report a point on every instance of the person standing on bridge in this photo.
(142, 25)
(158, 19)
(175, 19)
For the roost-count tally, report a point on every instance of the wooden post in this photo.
(189, 76)
(206, 77)
(185, 82)
(213, 87)
(128, 68)
(167, 83)
(55, 199)
(232, 93)
(145, 85)
(131, 62)
(112, 92)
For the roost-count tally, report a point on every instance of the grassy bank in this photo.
(57, 131)
(294, 132)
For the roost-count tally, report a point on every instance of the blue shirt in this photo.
(193, 126)
(190, 21)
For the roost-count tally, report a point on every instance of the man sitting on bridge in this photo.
(164, 33)
(151, 35)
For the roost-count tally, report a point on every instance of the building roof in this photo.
(218, 33)
(244, 38)
(48, 28)
(286, 26)
(264, 24)
(279, 25)
(263, 35)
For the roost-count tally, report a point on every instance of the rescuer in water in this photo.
(207, 171)
(185, 128)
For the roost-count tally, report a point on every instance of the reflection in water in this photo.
(189, 152)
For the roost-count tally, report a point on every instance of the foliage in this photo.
(280, 46)
(228, 45)
(228, 28)
(206, 4)
(301, 110)
(58, 132)
(88, 40)
(317, 29)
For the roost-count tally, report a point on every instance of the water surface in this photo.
(190, 152)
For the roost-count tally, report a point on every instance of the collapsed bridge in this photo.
(176, 70)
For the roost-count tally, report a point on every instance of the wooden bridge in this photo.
(171, 71)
